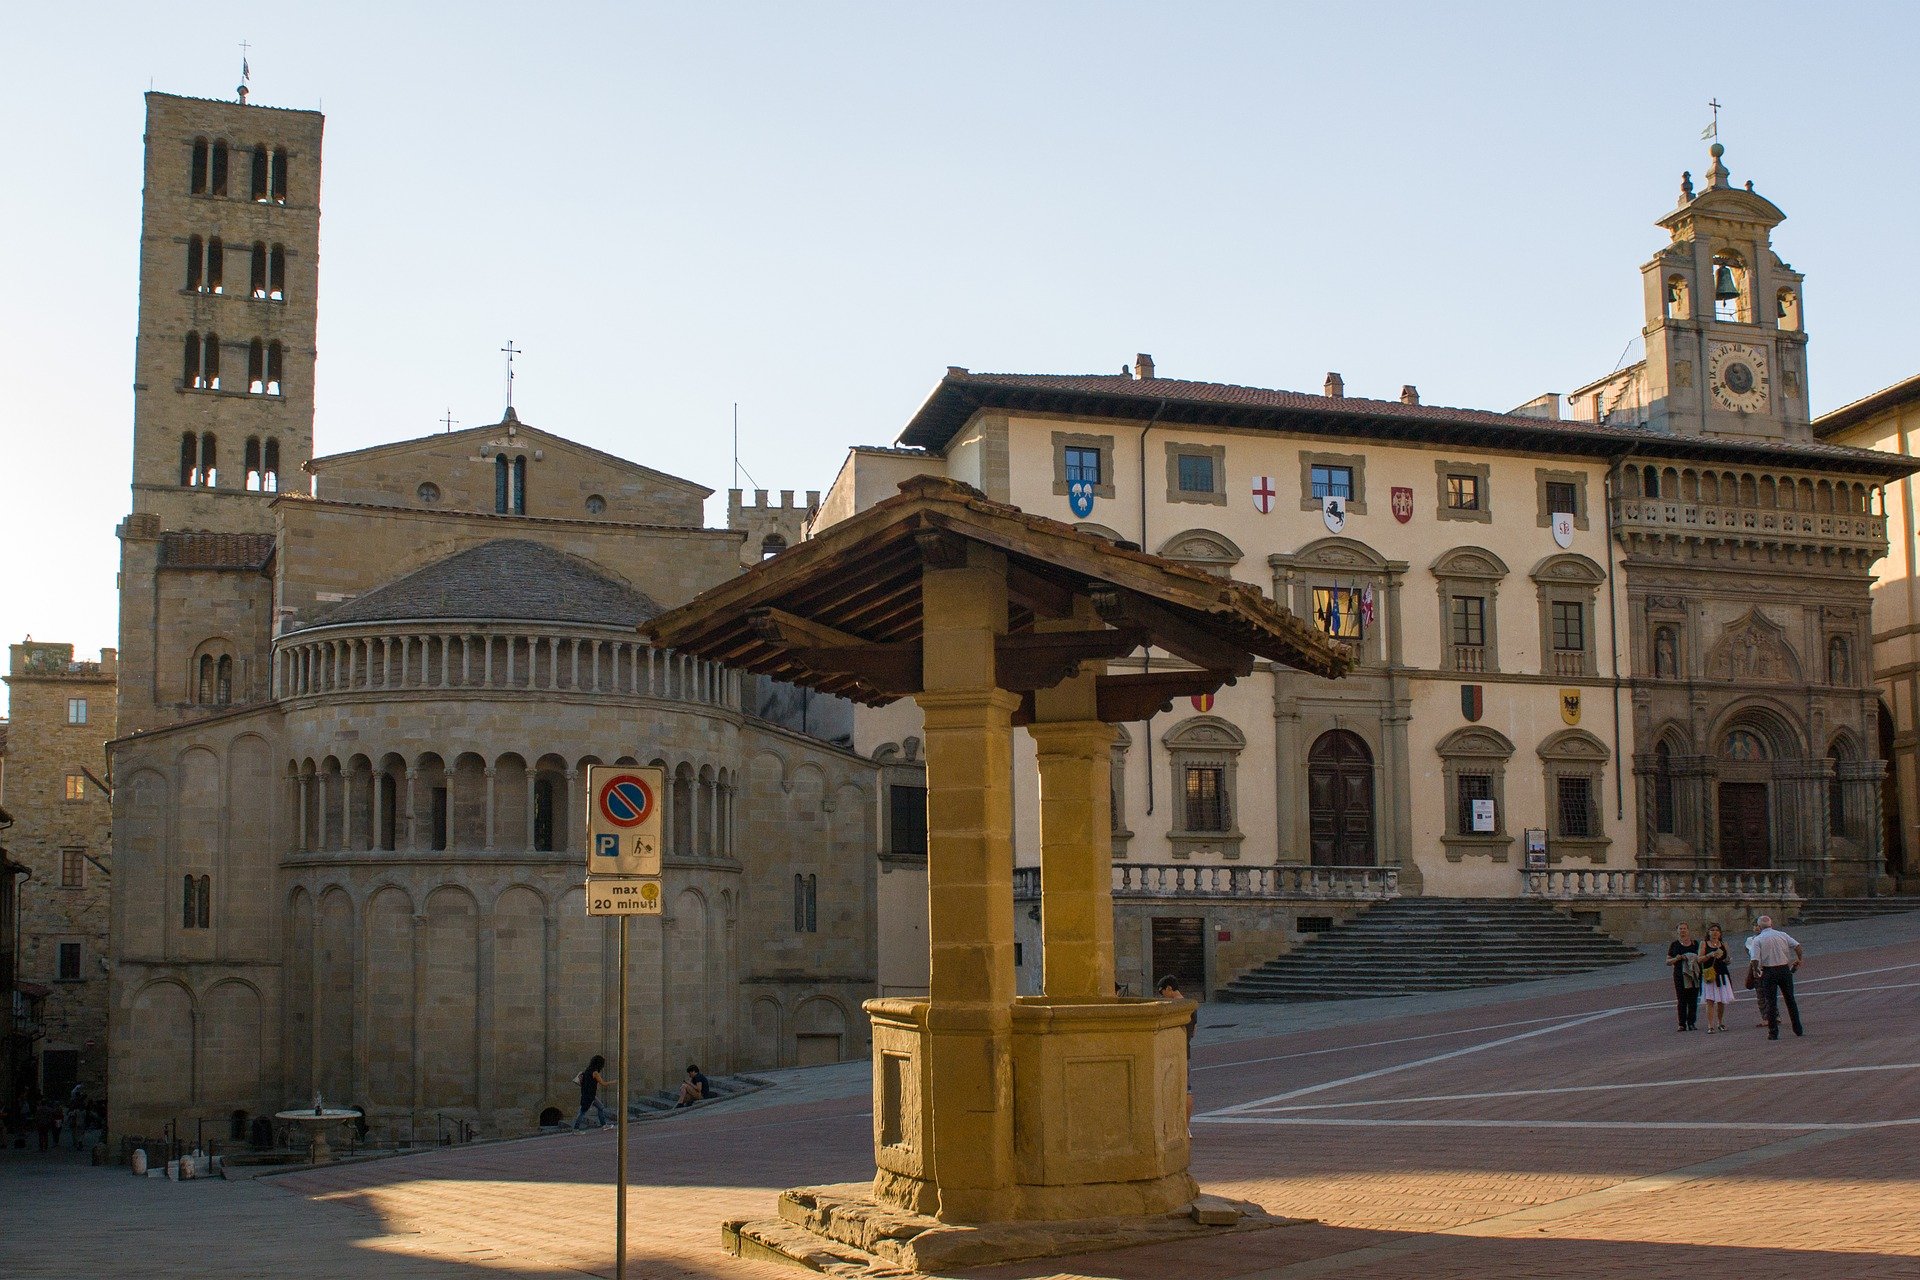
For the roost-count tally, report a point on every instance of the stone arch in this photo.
(333, 991)
(467, 808)
(1203, 549)
(552, 803)
(764, 1034)
(1098, 531)
(1468, 562)
(1340, 553)
(140, 827)
(1572, 744)
(819, 1031)
(690, 1006)
(1772, 723)
(231, 1034)
(1204, 731)
(160, 1019)
(511, 794)
(448, 1006)
(681, 798)
(331, 782)
(519, 997)
(1568, 568)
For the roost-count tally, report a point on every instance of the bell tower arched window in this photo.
(520, 485)
(270, 467)
(1730, 292)
(197, 170)
(502, 484)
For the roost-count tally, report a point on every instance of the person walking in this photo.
(590, 1082)
(1779, 955)
(1716, 979)
(1683, 957)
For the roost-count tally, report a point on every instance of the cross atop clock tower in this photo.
(1726, 339)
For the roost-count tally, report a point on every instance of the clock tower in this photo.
(1726, 341)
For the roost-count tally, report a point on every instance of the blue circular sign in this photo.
(1080, 498)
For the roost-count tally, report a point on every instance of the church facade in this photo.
(1635, 636)
(358, 696)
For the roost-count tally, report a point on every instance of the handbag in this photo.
(1753, 974)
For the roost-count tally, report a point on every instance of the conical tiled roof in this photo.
(510, 579)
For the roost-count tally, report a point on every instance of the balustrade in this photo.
(1198, 880)
(1594, 883)
(496, 659)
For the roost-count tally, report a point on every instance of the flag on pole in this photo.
(246, 72)
(1711, 131)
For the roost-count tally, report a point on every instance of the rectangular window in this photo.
(1196, 473)
(1569, 626)
(1337, 612)
(1206, 799)
(1469, 620)
(68, 962)
(1575, 806)
(1332, 482)
(73, 869)
(1083, 465)
(1463, 493)
(76, 786)
(76, 710)
(1563, 497)
(908, 808)
(1472, 786)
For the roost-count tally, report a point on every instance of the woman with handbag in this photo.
(1683, 957)
(1716, 979)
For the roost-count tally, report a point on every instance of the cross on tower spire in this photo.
(1713, 130)
(449, 420)
(510, 351)
(246, 73)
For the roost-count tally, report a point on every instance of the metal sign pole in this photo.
(620, 1092)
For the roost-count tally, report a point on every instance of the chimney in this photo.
(1409, 394)
(1335, 387)
(1143, 366)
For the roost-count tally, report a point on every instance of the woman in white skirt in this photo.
(1716, 980)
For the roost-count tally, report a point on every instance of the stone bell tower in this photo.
(1726, 336)
(223, 397)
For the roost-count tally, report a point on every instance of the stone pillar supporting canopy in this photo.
(989, 1108)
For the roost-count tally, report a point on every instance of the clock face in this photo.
(1737, 376)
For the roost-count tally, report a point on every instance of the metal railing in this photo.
(1185, 880)
(1565, 886)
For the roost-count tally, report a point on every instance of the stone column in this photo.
(306, 814)
(412, 841)
(1075, 750)
(969, 750)
(490, 806)
(1076, 856)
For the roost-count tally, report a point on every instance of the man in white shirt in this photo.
(1779, 955)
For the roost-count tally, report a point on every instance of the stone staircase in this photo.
(661, 1103)
(1410, 945)
(1828, 910)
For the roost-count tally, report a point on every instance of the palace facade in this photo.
(1639, 632)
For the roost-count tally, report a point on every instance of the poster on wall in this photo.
(1482, 816)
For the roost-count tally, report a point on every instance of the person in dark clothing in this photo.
(694, 1088)
(590, 1081)
(1683, 956)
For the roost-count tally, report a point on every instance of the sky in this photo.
(810, 210)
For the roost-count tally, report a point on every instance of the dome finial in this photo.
(1717, 175)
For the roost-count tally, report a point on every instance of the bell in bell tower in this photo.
(1726, 348)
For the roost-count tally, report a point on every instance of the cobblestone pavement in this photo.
(1561, 1129)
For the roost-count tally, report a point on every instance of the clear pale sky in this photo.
(813, 209)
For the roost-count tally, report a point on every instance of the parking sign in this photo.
(623, 820)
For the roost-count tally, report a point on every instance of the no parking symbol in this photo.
(623, 820)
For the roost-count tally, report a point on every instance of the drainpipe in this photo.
(1148, 656)
(1613, 625)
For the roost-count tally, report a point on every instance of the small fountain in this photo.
(315, 1120)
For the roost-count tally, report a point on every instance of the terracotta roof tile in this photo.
(1175, 401)
(216, 550)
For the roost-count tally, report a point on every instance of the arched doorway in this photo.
(1340, 801)
(1744, 843)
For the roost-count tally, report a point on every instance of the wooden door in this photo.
(1180, 949)
(1340, 801)
(1743, 826)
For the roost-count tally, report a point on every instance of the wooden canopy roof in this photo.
(840, 612)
